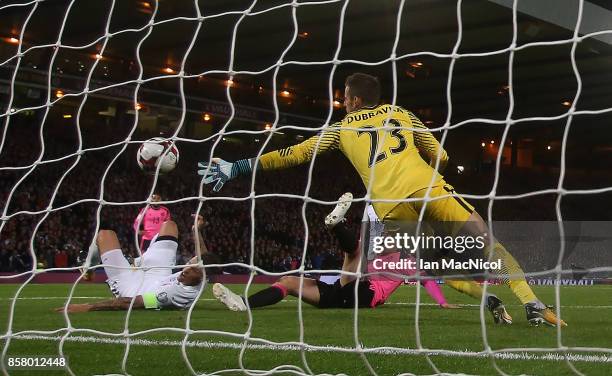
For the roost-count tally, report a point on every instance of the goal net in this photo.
(517, 94)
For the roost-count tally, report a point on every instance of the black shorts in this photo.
(147, 243)
(337, 296)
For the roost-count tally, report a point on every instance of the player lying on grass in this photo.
(385, 143)
(335, 221)
(371, 291)
(151, 286)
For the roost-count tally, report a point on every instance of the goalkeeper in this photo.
(390, 140)
(151, 286)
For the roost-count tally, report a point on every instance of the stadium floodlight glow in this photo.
(492, 142)
(285, 93)
(482, 144)
(169, 70)
(12, 40)
(97, 56)
(548, 147)
(206, 117)
(59, 94)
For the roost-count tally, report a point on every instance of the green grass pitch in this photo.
(586, 309)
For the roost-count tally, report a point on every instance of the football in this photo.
(157, 151)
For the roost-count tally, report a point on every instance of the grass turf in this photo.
(586, 309)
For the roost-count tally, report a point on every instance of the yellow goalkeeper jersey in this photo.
(392, 151)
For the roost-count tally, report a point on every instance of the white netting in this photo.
(199, 21)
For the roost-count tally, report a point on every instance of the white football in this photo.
(153, 153)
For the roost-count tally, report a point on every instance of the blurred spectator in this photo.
(273, 238)
(61, 259)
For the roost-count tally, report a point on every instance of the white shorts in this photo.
(126, 281)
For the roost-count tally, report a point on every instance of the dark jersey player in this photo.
(372, 291)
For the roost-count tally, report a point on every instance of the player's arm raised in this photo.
(117, 304)
(221, 171)
(427, 144)
(198, 232)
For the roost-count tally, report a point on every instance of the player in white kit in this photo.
(153, 285)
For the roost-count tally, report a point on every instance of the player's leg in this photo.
(348, 241)
(512, 275)
(336, 223)
(494, 304)
(107, 241)
(116, 266)
(460, 218)
(162, 250)
(434, 291)
(467, 287)
(286, 285)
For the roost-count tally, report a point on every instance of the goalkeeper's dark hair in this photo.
(364, 86)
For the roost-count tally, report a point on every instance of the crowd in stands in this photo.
(55, 224)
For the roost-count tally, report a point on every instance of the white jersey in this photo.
(169, 292)
(153, 280)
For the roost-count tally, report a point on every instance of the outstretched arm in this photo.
(117, 304)
(198, 232)
(327, 139)
(427, 144)
(221, 171)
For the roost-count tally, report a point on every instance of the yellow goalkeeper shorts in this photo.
(452, 210)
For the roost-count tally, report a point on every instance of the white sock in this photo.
(94, 251)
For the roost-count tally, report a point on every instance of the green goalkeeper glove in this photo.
(221, 171)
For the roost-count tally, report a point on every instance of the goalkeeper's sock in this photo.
(470, 288)
(348, 242)
(513, 275)
(268, 296)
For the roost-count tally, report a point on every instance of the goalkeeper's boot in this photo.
(337, 215)
(231, 300)
(497, 309)
(537, 315)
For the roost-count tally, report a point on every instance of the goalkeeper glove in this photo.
(221, 171)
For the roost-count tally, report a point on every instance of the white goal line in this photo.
(550, 356)
(295, 301)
